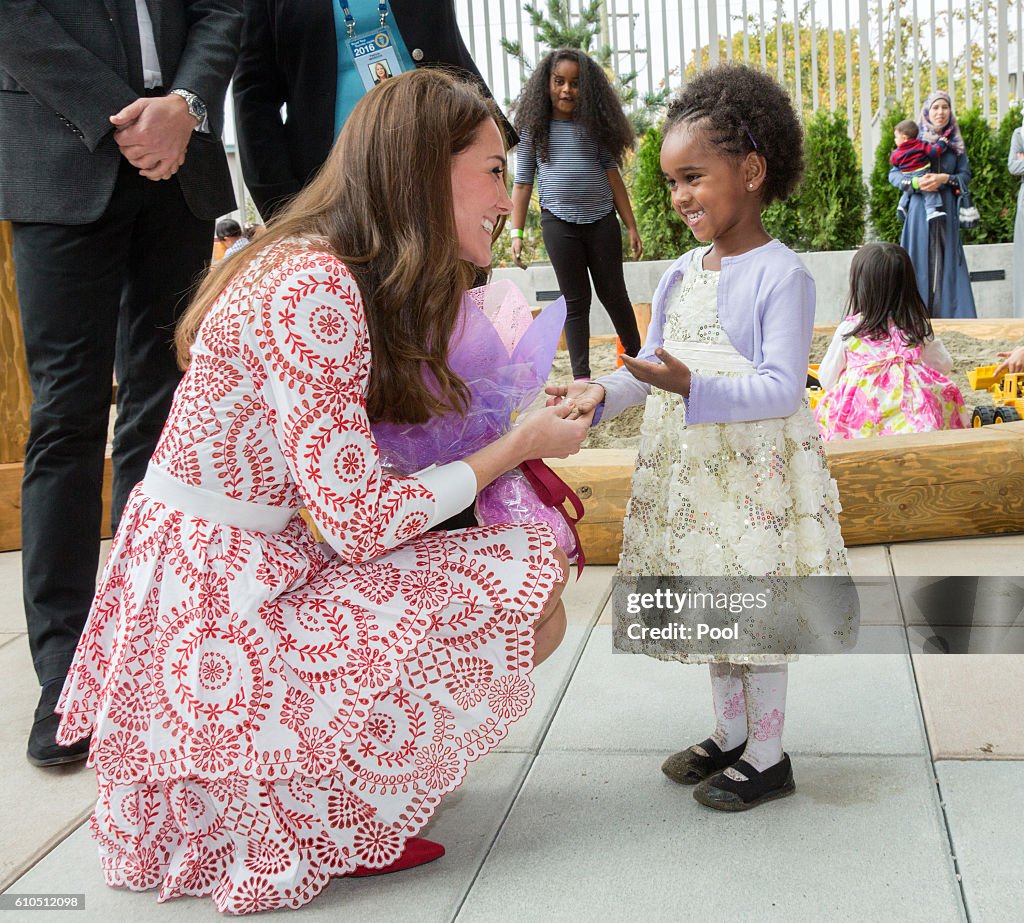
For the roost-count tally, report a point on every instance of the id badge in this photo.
(375, 57)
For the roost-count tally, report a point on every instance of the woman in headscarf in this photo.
(934, 245)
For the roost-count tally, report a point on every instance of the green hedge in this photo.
(884, 197)
(663, 232)
(831, 196)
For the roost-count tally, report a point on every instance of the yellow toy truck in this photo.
(1007, 392)
(814, 388)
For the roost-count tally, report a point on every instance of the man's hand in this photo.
(670, 375)
(153, 134)
(1012, 362)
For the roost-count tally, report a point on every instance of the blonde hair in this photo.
(383, 201)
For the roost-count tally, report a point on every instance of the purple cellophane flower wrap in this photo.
(504, 356)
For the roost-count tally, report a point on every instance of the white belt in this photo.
(214, 507)
(709, 357)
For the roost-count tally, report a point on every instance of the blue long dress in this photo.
(938, 253)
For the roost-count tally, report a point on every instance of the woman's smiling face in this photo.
(939, 113)
(479, 194)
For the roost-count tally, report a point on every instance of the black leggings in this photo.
(575, 248)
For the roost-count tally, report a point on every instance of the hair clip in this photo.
(749, 135)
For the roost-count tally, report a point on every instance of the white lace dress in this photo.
(722, 500)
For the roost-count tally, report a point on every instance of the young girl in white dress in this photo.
(731, 478)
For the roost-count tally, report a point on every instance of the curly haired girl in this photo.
(731, 480)
(573, 135)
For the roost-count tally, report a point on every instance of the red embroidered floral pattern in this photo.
(267, 712)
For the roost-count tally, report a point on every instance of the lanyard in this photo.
(350, 20)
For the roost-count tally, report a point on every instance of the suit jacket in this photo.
(289, 57)
(66, 66)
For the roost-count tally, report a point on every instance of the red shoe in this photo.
(418, 851)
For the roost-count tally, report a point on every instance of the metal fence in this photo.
(861, 56)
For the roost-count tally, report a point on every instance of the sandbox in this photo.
(893, 489)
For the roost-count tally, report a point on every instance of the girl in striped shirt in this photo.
(573, 135)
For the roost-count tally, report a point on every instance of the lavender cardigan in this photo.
(766, 307)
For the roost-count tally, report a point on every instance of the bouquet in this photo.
(504, 356)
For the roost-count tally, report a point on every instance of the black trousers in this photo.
(575, 248)
(95, 298)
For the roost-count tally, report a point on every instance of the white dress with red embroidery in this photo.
(267, 711)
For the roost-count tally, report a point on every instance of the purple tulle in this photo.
(504, 356)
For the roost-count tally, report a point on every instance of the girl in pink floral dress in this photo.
(885, 371)
(268, 711)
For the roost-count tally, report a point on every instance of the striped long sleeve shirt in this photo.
(573, 181)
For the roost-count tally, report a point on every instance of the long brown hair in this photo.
(383, 201)
(883, 291)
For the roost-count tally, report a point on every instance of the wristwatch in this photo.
(196, 108)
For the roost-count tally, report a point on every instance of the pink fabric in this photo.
(886, 389)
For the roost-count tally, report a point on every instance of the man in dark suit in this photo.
(112, 173)
(290, 57)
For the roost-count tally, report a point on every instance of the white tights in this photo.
(750, 703)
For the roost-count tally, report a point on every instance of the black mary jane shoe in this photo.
(688, 767)
(725, 794)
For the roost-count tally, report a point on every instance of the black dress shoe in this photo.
(688, 767)
(43, 749)
(725, 794)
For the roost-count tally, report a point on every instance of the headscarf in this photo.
(927, 129)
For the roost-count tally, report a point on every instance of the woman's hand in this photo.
(932, 181)
(670, 375)
(585, 396)
(552, 432)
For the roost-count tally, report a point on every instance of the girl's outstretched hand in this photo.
(553, 432)
(670, 375)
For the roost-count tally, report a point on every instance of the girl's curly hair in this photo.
(598, 107)
(744, 110)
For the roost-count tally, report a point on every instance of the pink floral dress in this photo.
(267, 711)
(886, 387)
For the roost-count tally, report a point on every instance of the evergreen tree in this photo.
(664, 234)
(884, 197)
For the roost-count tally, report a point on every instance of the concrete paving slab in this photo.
(550, 680)
(981, 639)
(8, 637)
(38, 807)
(585, 598)
(625, 702)
(869, 561)
(598, 837)
(971, 705)
(986, 836)
(987, 555)
(466, 823)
